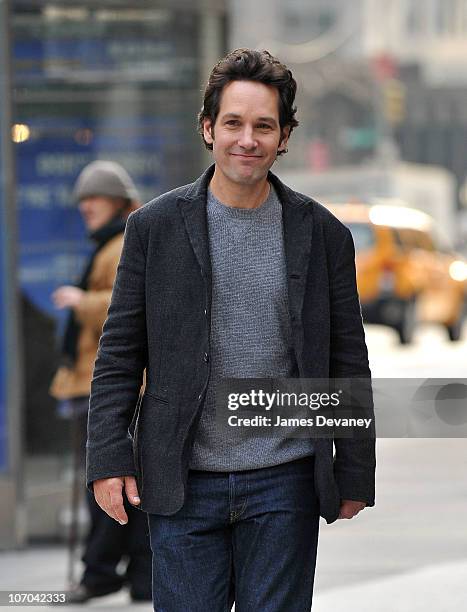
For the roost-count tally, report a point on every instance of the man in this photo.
(106, 195)
(238, 276)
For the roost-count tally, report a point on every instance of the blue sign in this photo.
(52, 237)
(149, 128)
(154, 50)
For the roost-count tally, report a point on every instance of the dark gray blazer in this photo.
(159, 319)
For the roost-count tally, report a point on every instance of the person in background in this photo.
(106, 196)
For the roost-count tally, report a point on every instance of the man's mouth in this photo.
(246, 156)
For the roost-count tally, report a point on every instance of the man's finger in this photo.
(100, 501)
(131, 490)
(101, 495)
(350, 508)
(116, 507)
(108, 495)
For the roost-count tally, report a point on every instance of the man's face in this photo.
(246, 134)
(97, 211)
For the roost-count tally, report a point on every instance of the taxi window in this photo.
(409, 238)
(363, 235)
(398, 238)
(425, 241)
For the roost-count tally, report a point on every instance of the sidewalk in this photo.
(45, 569)
(441, 588)
(408, 554)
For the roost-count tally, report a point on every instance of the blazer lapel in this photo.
(193, 210)
(298, 226)
(298, 229)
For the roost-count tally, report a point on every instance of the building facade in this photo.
(110, 80)
(372, 73)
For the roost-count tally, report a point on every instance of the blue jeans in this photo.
(249, 537)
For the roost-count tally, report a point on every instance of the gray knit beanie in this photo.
(105, 178)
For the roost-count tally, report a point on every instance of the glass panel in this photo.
(91, 81)
(115, 83)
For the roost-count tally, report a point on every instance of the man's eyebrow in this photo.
(230, 116)
(268, 119)
(236, 116)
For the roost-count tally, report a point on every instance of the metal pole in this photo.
(12, 513)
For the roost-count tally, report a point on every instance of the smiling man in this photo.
(246, 140)
(234, 275)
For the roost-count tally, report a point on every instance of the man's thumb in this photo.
(131, 490)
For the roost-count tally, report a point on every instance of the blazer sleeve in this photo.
(118, 371)
(355, 459)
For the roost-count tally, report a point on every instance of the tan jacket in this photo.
(91, 314)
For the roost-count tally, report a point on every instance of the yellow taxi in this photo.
(406, 274)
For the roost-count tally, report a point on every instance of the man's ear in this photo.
(284, 139)
(208, 131)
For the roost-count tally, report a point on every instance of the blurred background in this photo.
(382, 106)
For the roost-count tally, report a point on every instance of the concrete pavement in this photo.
(44, 568)
(408, 554)
(438, 588)
(441, 588)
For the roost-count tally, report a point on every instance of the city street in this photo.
(430, 355)
(161, 165)
(407, 554)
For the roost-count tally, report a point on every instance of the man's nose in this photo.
(247, 139)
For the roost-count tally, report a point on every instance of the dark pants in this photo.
(249, 537)
(107, 542)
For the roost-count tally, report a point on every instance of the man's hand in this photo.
(67, 296)
(350, 508)
(108, 494)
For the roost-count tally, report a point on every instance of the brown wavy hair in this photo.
(249, 65)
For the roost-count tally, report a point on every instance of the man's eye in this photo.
(231, 122)
(264, 126)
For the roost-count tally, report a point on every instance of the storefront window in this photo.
(91, 81)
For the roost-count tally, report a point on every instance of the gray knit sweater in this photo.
(250, 329)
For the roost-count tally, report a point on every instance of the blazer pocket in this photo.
(133, 433)
(158, 426)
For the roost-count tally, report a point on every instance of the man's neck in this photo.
(237, 195)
